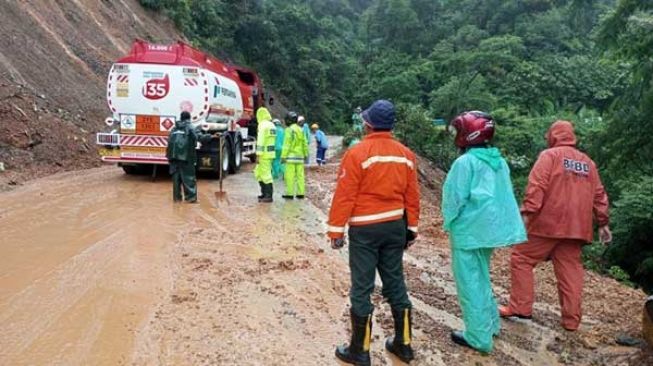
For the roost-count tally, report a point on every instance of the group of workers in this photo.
(284, 152)
(377, 202)
(280, 153)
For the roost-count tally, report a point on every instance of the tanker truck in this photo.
(149, 88)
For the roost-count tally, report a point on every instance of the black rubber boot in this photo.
(262, 190)
(399, 345)
(458, 338)
(267, 193)
(358, 351)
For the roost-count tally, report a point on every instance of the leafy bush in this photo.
(632, 222)
(417, 130)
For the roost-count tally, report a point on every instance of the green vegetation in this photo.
(528, 62)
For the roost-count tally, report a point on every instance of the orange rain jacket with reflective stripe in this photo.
(377, 182)
(564, 192)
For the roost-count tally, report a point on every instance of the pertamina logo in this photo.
(157, 88)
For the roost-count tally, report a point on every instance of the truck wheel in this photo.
(223, 163)
(236, 156)
(130, 169)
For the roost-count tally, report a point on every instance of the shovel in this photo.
(221, 195)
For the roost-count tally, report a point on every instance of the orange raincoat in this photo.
(563, 196)
(564, 190)
(377, 182)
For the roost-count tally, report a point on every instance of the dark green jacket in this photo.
(182, 143)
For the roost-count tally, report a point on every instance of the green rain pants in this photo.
(377, 247)
(183, 175)
(263, 171)
(278, 168)
(294, 177)
(471, 270)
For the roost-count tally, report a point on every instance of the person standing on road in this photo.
(294, 153)
(265, 153)
(563, 195)
(277, 167)
(357, 120)
(480, 214)
(322, 144)
(378, 196)
(182, 157)
(301, 121)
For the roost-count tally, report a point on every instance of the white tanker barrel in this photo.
(148, 98)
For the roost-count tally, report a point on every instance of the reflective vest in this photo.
(265, 140)
(295, 146)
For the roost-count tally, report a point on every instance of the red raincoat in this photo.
(564, 192)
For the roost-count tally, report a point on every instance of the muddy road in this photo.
(100, 268)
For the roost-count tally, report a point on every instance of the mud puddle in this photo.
(84, 257)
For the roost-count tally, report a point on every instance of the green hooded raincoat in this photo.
(480, 214)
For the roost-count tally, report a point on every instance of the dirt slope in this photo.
(54, 58)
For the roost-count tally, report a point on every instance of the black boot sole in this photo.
(403, 358)
(350, 362)
(461, 341)
(342, 357)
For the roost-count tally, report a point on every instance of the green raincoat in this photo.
(278, 168)
(265, 146)
(480, 214)
(182, 158)
(295, 151)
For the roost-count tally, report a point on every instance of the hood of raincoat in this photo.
(263, 115)
(491, 156)
(561, 133)
(181, 123)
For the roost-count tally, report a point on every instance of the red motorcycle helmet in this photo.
(473, 128)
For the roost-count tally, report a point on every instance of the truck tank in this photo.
(149, 88)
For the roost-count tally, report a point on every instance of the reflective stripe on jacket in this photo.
(377, 182)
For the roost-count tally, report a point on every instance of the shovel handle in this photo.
(221, 160)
